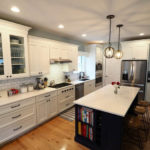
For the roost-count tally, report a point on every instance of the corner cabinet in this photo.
(13, 50)
(38, 56)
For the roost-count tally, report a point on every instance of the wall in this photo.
(111, 67)
(16, 83)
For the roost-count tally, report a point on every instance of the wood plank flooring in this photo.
(57, 134)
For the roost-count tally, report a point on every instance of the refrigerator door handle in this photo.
(131, 72)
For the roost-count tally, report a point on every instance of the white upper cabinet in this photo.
(39, 56)
(13, 50)
(135, 50)
(59, 50)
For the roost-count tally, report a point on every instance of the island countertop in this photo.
(105, 100)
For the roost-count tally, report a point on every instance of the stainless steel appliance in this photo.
(99, 79)
(133, 73)
(60, 85)
(40, 83)
(79, 90)
(99, 67)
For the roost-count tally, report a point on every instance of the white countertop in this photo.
(105, 100)
(78, 81)
(15, 98)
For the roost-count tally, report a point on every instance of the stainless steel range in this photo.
(66, 95)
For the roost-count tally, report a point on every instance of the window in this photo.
(81, 63)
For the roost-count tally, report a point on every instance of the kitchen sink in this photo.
(83, 79)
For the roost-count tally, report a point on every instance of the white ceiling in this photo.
(82, 16)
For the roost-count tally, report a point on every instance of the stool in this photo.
(141, 111)
(146, 105)
(134, 125)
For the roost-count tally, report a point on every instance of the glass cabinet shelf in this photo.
(1, 58)
(17, 54)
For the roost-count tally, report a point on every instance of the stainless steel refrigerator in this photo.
(133, 73)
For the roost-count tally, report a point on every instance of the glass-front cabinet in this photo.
(18, 64)
(1, 58)
(13, 50)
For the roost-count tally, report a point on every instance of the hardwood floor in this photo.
(57, 134)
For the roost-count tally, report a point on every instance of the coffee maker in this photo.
(40, 83)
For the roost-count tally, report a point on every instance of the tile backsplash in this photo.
(16, 83)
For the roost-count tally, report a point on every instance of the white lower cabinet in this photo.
(46, 106)
(12, 130)
(16, 121)
(89, 86)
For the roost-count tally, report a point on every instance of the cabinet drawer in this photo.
(14, 116)
(45, 96)
(17, 105)
(16, 128)
(64, 105)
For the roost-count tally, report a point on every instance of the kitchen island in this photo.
(100, 115)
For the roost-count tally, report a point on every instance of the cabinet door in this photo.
(39, 59)
(73, 55)
(34, 59)
(44, 58)
(3, 57)
(140, 51)
(19, 55)
(127, 52)
(41, 111)
(55, 52)
(52, 107)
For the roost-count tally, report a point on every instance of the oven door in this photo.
(99, 80)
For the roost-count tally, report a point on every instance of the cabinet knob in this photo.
(10, 76)
(7, 76)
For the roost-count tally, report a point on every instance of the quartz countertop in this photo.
(15, 98)
(105, 100)
(78, 81)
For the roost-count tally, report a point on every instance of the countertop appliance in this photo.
(133, 73)
(40, 83)
(79, 90)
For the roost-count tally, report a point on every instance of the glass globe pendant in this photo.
(119, 53)
(109, 51)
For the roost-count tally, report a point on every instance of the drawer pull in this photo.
(48, 100)
(67, 96)
(47, 95)
(15, 106)
(16, 116)
(17, 128)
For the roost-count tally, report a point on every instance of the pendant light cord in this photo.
(119, 40)
(110, 33)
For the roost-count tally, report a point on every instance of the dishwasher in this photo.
(79, 90)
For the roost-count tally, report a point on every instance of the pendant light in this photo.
(118, 53)
(109, 51)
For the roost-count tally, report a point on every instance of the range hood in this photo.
(60, 60)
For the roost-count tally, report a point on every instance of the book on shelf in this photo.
(86, 115)
(85, 131)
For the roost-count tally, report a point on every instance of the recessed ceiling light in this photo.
(61, 26)
(15, 9)
(141, 34)
(84, 35)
